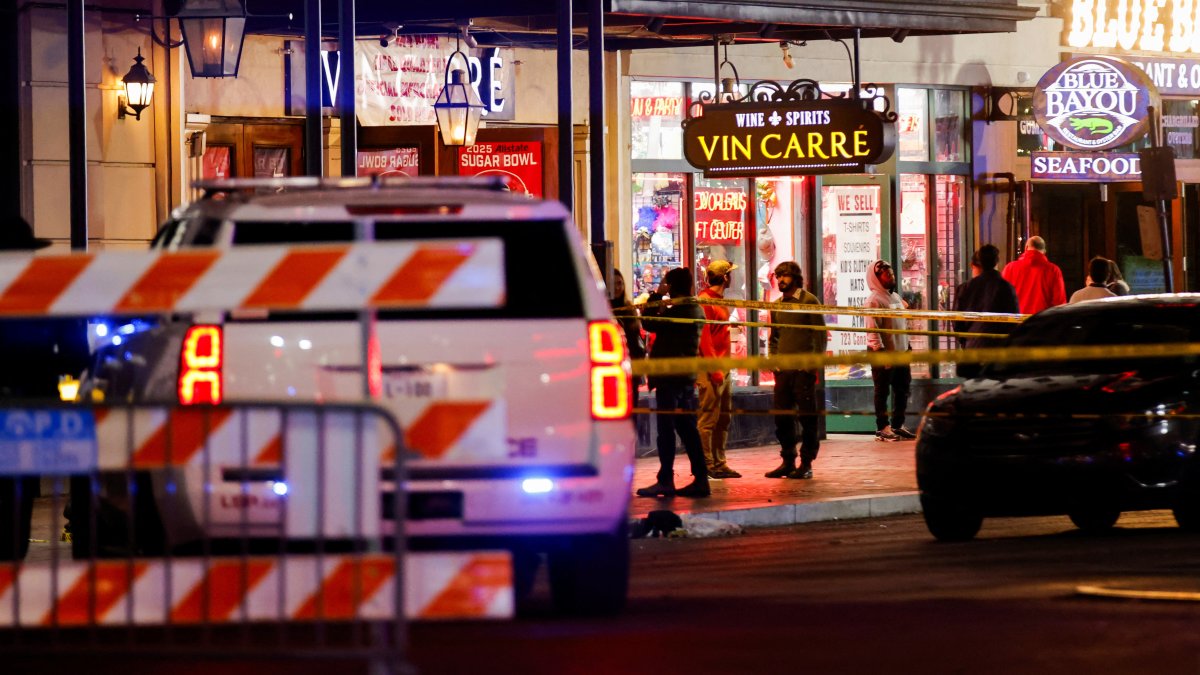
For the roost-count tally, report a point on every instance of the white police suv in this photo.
(516, 414)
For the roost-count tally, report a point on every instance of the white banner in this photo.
(398, 84)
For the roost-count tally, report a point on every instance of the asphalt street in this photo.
(867, 596)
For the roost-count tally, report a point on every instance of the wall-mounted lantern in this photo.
(137, 89)
(213, 31)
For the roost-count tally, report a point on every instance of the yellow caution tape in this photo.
(882, 359)
(1131, 594)
(773, 412)
(927, 314)
(763, 324)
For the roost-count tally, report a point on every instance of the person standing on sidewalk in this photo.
(674, 339)
(1097, 286)
(1039, 282)
(716, 388)
(986, 292)
(796, 389)
(896, 380)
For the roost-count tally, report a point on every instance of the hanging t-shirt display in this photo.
(659, 228)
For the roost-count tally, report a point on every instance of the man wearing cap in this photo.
(716, 389)
(796, 389)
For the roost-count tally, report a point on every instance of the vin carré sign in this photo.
(1094, 102)
(793, 138)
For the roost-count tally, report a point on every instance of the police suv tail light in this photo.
(201, 378)
(612, 386)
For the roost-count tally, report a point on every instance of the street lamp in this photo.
(458, 107)
(213, 31)
(137, 89)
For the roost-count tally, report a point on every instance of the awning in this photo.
(637, 24)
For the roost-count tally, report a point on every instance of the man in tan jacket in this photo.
(796, 389)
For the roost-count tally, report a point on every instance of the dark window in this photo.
(540, 276)
(1129, 325)
(295, 232)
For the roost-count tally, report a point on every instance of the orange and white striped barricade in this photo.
(188, 591)
(382, 275)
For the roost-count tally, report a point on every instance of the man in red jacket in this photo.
(716, 389)
(1038, 282)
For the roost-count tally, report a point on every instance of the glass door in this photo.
(855, 228)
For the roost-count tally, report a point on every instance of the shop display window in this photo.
(950, 213)
(913, 124)
(659, 229)
(720, 209)
(1180, 124)
(850, 244)
(914, 257)
(779, 205)
(657, 110)
(949, 106)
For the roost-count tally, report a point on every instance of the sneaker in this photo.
(694, 489)
(904, 433)
(803, 472)
(657, 490)
(886, 434)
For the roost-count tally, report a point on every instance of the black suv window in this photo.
(540, 277)
(1125, 325)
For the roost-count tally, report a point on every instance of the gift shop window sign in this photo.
(519, 162)
(720, 216)
(850, 245)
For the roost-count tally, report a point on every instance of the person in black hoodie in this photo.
(37, 350)
(676, 392)
(986, 292)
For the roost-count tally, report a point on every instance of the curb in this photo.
(839, 508)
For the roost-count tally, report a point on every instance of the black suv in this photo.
(1085, 438)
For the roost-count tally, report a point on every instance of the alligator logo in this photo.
(1094, 125)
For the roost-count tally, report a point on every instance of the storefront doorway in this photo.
(1077, 225)
(249, 148)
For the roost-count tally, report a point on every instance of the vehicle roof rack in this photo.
(301, 183)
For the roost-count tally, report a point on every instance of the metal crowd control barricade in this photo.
(247, 528)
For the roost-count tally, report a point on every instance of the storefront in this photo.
(1108, 215)
(397, 135)
(913, 210)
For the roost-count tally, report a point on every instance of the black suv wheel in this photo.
(950, 519)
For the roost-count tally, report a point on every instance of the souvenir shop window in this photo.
(779, 205)
(659, 229)
(948, 112)
(720, 209)
(914, 258)
(952, 268)
(850, 244)
(657, 110)
(1180, 122)
(913, 125)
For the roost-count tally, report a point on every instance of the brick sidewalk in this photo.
(849, 467)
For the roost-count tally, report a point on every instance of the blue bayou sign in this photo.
(1094, 102)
